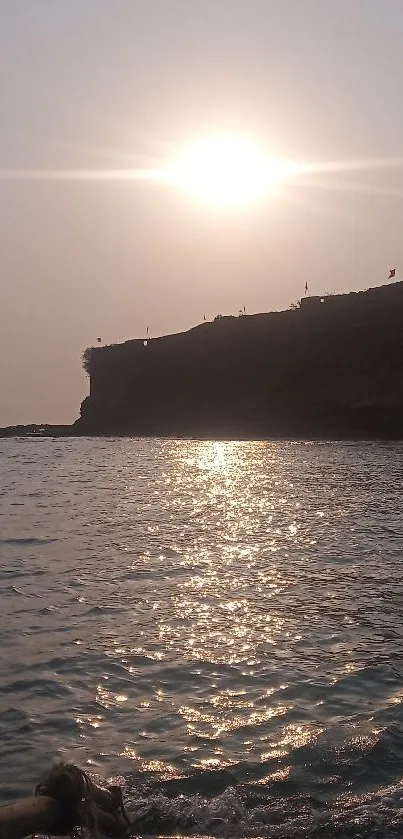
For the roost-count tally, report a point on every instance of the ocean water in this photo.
(216, 625)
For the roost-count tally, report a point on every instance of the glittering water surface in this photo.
(219, 624)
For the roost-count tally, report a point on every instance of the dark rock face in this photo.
(332, 368)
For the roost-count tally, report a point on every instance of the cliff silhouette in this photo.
(332, 367)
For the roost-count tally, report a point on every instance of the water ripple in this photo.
(218, 623)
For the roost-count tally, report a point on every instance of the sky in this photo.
(106, 84)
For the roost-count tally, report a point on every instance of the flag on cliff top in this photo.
(306, 288)
(392, 273)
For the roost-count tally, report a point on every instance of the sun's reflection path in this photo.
(221, 601)
(221, 612)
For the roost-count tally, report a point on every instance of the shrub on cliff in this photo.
(87, 354)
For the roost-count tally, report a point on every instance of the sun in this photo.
(226, 171)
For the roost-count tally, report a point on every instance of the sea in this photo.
(216, 626)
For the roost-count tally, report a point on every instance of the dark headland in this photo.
(332, 367)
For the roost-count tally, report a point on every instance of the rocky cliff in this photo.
(332, 367)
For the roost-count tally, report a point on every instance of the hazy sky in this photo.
(123, 83)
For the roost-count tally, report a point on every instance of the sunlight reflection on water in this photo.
(209, 605)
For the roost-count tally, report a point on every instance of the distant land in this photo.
(332, 367)
(36, 430)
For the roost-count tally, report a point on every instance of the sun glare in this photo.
(227, 172)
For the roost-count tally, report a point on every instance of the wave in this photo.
(249, 810)
(31, 540)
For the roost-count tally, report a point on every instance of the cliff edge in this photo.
(331, 368)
